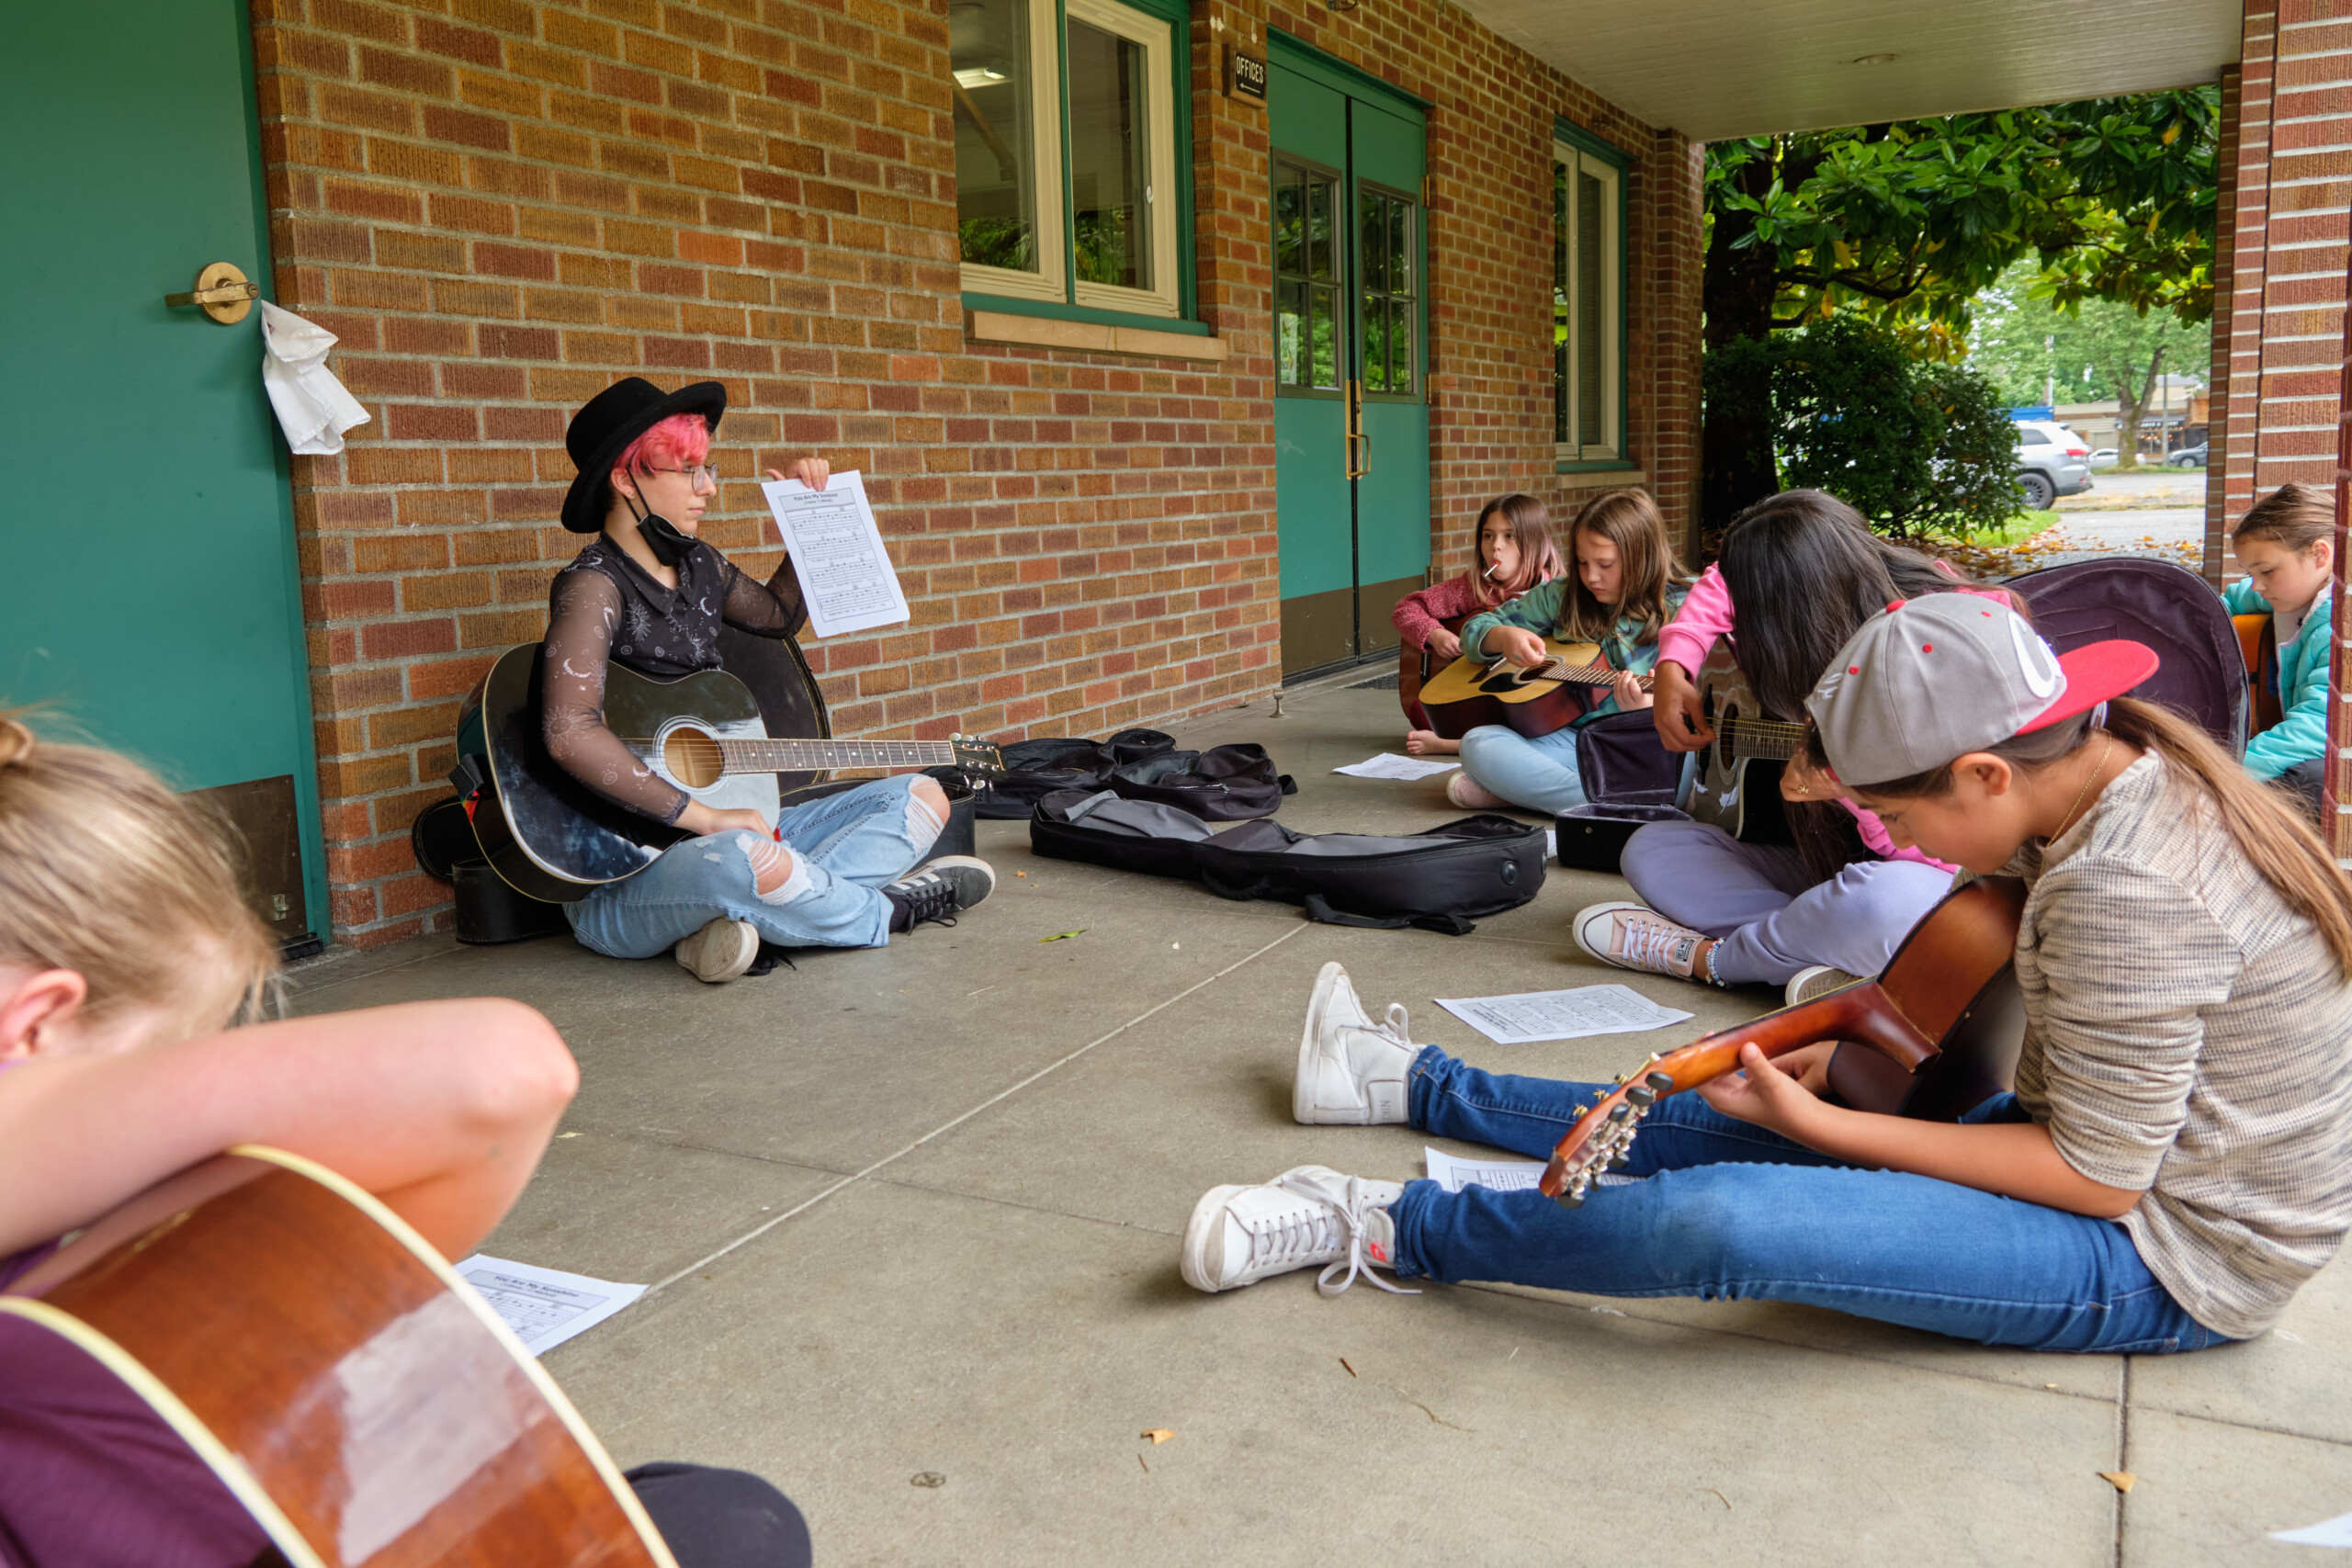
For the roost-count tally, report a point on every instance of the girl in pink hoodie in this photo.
(1805, 571)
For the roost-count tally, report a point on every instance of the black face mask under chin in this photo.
(661, 537)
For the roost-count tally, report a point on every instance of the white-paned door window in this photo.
(1587, 306)
(1098, 227)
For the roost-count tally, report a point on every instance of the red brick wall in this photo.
(2289, 227)
(501, 206)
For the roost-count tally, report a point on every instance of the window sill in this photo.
(1614, 471)
(1091, 337)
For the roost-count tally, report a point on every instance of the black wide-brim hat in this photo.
(603, 429)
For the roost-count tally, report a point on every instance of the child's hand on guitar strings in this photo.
(1518, 646)
(1444, 644)
(1682, 723)
(1781, 1096)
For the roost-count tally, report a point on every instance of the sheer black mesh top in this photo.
(605, 608)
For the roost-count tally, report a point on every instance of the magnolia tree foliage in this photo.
(2110, 199)
(1917, 446)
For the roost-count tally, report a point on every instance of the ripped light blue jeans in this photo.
(1730, 1212)
(845, 848)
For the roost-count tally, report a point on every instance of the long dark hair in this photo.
(1629, 519)
(2275, 839)
(1804, 573)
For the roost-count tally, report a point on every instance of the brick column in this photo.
(2217, 380)
(1677, 258)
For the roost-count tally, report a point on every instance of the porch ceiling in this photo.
(1719, 68)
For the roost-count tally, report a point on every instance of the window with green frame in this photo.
(1070, 126)
(1587, 302)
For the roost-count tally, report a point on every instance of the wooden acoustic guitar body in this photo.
(1733, 789)
(321, 1357)
(2258, 643)
(1931, 1038)
(550, 837)
(1467, 693)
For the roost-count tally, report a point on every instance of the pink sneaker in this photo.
(1472, 795)
(1634, 936)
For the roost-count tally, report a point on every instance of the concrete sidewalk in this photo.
(912, 1214)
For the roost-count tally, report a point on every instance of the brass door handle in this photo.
(222, 291)
(1355, 433)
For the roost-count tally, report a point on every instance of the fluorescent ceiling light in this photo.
(978, 76)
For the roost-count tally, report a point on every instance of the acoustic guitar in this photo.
(1726, 792)
(2258, 645)
(364, 1406)
(1933, 1037)
(552, 838)
(1533, 701)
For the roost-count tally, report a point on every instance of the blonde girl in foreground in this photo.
(126, 955)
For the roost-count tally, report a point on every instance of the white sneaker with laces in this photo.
(720, 950)
(1311, 1214)
(1351, 1070)
(1818, 981)
(1634, 936)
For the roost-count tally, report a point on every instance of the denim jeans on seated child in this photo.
(1539, 774)
(846, 847)
(1730, 1212)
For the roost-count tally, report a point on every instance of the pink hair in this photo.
(681, 439)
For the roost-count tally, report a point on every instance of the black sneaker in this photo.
(939, 890)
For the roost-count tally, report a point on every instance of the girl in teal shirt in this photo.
(1624, 585)
(2286, 544)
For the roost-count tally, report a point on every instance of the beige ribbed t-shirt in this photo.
(2187, 1034)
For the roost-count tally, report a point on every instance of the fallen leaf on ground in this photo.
(1158, 1435)
(1063, 936)
(2122, 1480)
(1343, 1362)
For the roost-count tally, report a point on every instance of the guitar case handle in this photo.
(471, 773)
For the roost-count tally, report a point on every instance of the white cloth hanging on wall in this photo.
(312, 407)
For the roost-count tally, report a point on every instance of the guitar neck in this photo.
(744, 756)
(1768, 738)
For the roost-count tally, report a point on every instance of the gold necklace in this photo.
(2068, 820)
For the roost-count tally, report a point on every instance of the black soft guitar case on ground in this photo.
(1439, 880)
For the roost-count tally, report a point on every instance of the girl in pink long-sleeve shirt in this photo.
(1515, 553)
(1805, 571)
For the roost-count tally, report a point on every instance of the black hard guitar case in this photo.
(1439, 880)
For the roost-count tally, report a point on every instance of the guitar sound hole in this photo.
(693, 758)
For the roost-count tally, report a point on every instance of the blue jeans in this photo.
(848, 846)
(1730, 1212)
(1539, 774)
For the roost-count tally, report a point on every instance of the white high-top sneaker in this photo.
(1351, 1070)
(1311, 1214)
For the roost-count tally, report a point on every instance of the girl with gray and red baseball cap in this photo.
(2176, 1159)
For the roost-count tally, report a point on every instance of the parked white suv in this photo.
(2052, 461)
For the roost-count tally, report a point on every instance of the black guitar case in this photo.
(1437, 880)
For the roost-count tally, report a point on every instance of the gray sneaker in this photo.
(939, 890)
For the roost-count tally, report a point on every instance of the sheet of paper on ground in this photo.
(1388, 765)
(2336, 1532)
(846, 578)
(544, 1306)
(1454, 1173)
(1530, 1016)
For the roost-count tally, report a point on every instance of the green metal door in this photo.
(1352, 430)
(149, 590)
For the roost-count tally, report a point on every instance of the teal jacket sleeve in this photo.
(2301, 734)
(1537, 610)
(2240, 599)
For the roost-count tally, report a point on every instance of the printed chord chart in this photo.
(846, 578)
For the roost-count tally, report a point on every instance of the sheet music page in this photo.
(845, 575)
(1530, 1016)
(544, 1306)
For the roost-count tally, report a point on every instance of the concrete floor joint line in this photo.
(766, 1225)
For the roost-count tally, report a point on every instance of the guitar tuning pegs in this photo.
(1570, 1198)
(1620, 1110)
(1641, 1097)
(1662, 1082)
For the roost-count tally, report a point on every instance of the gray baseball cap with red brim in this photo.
(1931, 679)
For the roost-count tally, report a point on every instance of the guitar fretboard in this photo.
(1769, 738)
(813, 756)
(1583, 674)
